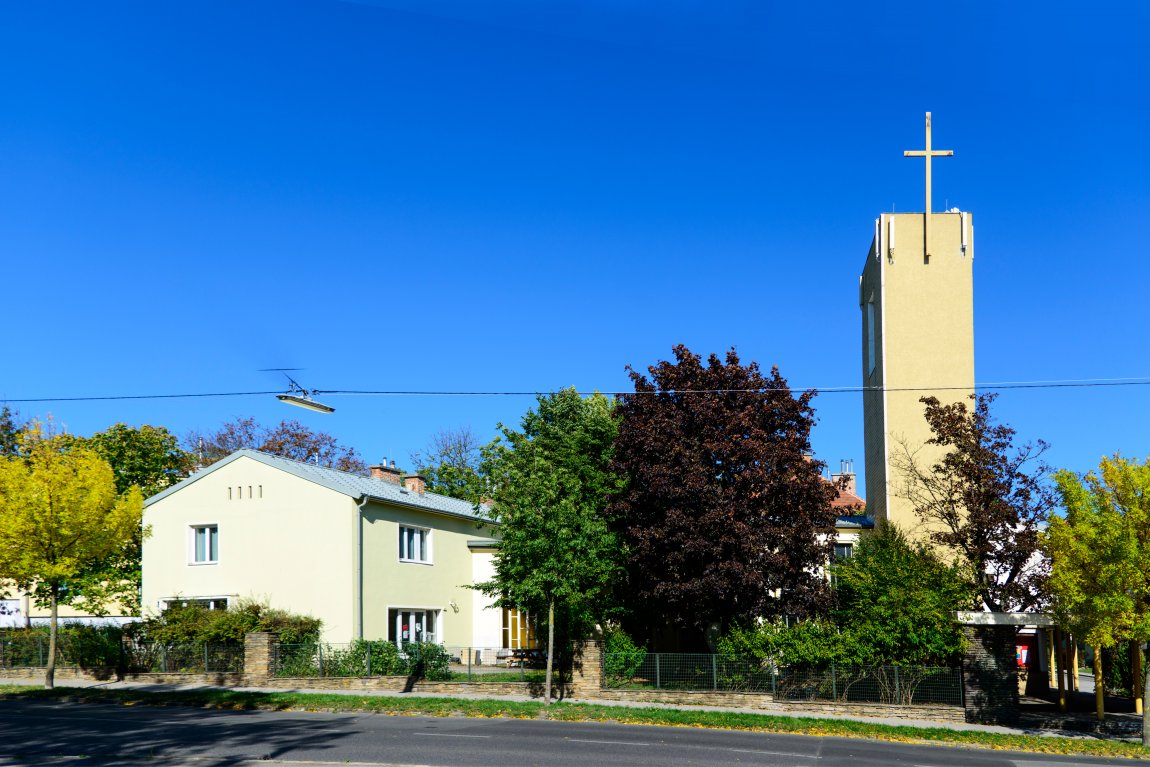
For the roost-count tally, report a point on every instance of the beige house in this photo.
(373, 557)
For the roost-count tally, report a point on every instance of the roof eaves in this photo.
(200, 474)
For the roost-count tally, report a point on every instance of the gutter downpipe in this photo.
(358, 563)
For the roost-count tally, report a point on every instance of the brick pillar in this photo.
(259, 648)
(587, 676)
(990, 674)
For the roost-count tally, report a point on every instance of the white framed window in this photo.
(414, 544)
(412, 625)
(844, 551)
(208, 603)
(205, 544)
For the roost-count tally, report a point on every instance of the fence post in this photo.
(40, 650)
(164, 658)
(369, 658)
(834, 683)
(320, 649)
(897, 691)
(774, 681)
(658, 682)
(469, 651)
(714, 672)
(260, 657)
(207, 666)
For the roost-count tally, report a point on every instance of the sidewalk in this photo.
(892, 722)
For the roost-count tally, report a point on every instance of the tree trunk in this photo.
(1060, 668)
(50, 668)
(1146, 695)
(550, 650)
(1136, 673)
(1099, 685)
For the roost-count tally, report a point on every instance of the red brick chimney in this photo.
(847, 476)
(415, 483)
(387, 473)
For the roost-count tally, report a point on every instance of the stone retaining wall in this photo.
(767, 704)
(400, 684)
(106, 674)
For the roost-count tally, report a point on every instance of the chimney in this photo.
(414, 483)
(387, 473)
(847, 473)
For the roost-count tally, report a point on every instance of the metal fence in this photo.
(430, 661)
(190, 658)
(30, 650)
(898, 685)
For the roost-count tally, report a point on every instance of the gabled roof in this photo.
(352, 485)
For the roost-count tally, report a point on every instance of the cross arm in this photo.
(933, 153)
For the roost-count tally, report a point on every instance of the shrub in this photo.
(195, 623)
(621, 656)
(427, 660)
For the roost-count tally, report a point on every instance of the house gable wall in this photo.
(282, 539)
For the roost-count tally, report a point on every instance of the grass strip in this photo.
(578, 712)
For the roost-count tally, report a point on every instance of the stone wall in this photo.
(103, 674)
(990, 674)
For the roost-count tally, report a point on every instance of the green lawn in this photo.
(577, 712)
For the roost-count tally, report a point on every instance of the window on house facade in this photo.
(414, 544)
(205, 544)
(412, 626)
(208, 603)
(844, 551)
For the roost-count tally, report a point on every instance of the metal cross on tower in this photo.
(927, 153)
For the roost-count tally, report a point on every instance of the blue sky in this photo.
(521, 195)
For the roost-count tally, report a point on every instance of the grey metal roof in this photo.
(351, 485)
(854, 521)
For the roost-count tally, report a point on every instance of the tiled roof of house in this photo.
(846, 498)
(351, 485)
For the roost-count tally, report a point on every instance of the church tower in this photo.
(916, 293)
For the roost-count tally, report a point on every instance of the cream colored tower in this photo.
(916, 293)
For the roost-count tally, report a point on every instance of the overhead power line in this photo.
(995, 386)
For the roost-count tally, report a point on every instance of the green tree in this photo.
(60, 520)
(451, 464)
(895, 606)
(897, 599)
(1100, 557)
(981, 501)
(551, 483)
(725, 517)
(148, 457)
(9, 431)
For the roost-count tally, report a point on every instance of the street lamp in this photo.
(301, 397)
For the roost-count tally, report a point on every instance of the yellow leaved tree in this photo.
(61, 521)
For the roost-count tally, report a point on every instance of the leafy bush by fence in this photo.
(427, 660)
(103, 647)
(898, 685)
(360, 659)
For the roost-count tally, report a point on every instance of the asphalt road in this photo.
(105, 735)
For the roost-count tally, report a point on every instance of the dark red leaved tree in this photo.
(724, 517)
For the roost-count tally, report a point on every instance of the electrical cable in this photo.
(1068, 384)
